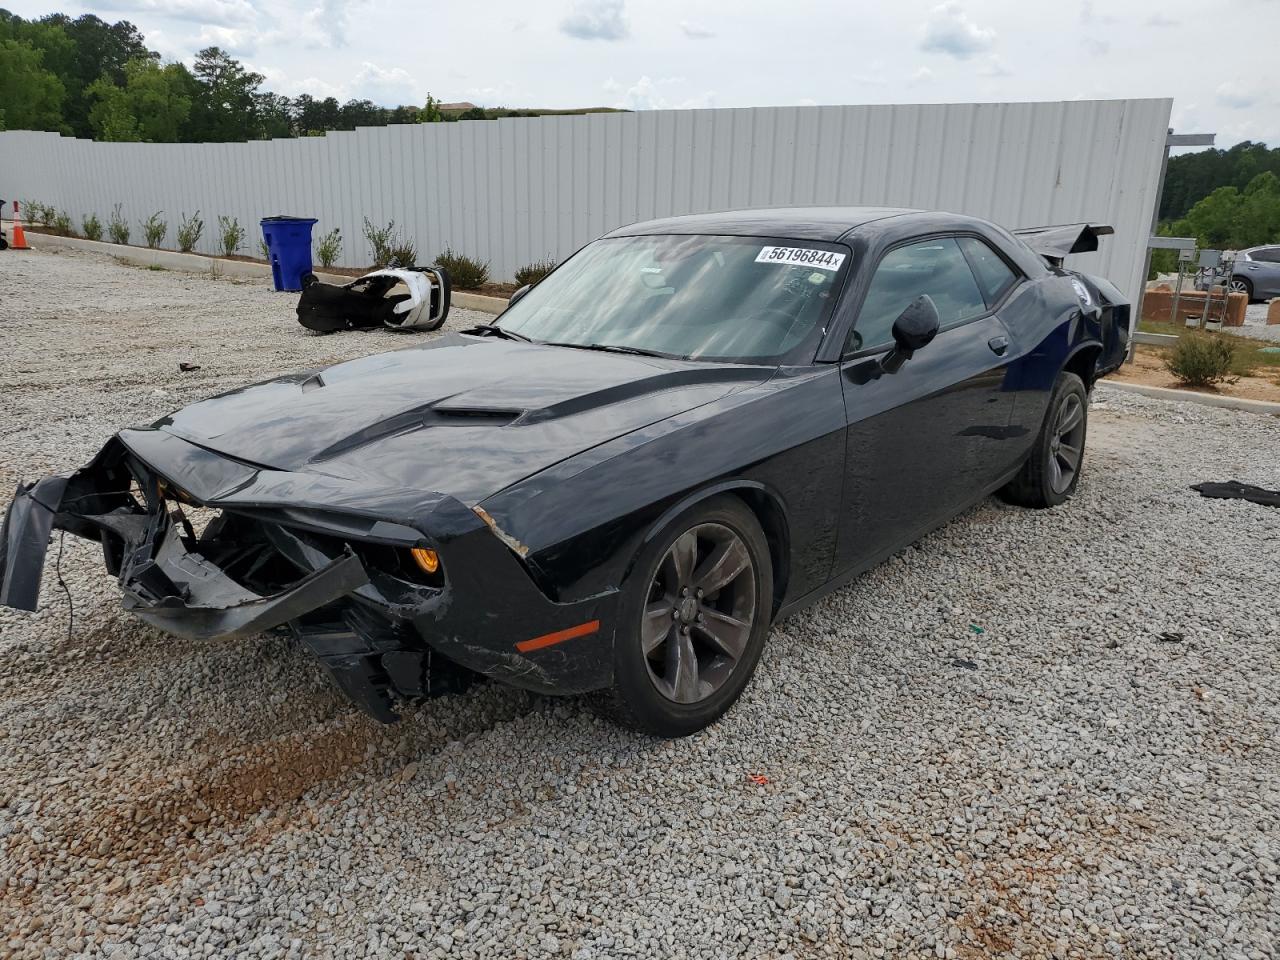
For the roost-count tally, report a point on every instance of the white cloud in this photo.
(238, 41)
(325, 25)
(221, 12)
(1160, 20)
(388, 86)
(1236, 96)
(994, 66)
(922, 75)
(597, 20)
(647, 94)
(949, 30)
(695, 31)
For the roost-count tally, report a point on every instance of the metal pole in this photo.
(1146, 266)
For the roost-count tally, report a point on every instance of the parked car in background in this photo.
(1255, 273)
(689, 429)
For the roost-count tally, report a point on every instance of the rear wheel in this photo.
(1052, 471)
(693, 620)
(1241, 285)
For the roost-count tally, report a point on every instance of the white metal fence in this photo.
(516, 190)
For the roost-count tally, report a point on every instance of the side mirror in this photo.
(519, 293)
(915, 328)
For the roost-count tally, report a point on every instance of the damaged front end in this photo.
(207, 546)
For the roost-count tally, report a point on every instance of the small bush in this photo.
(43, 214)
(189, 231)
(264, 252)
(329, 248)
(464, 272)
(1201, 361)
(62, 224)
(118, 226)
(230, 235)
(381, 240)
(154, 229)
(534, 272)
(92, 227)
(404, 253)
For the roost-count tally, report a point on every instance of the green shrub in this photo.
(92, 227)
(1201, 361)
(329, 248)
(230, 235)
(154, 229)
(189, 231)
(404, 253)
(62, 224)
(118, 226)
(381, 240)
(43, 214)
(464, 272)
(534, 272)
(264, 252)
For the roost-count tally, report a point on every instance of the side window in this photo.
(995, 277)
(936, 267)
(1266, 255)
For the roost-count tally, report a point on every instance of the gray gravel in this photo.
(981, 748)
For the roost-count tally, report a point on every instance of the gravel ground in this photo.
(982, 748)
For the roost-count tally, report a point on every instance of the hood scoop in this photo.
(431, 415)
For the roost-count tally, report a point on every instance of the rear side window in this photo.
(1266, 255)
(936, 267)
(995, 277)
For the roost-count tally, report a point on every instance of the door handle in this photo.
(998, 345)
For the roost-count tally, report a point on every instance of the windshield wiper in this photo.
(615, 348)
(495, 330)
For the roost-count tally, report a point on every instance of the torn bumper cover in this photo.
(412, 299)
(205, 546)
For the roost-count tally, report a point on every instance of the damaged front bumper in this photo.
(206, 546)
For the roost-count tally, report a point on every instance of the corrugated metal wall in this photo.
(512, 191)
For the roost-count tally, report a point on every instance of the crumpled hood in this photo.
(460, 415)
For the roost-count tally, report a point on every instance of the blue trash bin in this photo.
(288, 242)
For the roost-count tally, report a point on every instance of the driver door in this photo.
(921, 443)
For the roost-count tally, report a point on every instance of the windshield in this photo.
(723, 298)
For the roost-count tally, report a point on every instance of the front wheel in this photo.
(693, 620)
(1241, 285)
(1052, 471)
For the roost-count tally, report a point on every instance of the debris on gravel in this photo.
(1061, 781)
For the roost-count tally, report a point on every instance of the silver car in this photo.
(1257, 273)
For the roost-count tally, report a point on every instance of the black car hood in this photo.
(461, 415)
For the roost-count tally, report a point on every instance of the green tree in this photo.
(100, 49)
(152, 105)
(30, 96)
(431, 112)
(225, 106)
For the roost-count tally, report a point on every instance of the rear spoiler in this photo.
(1054, 243)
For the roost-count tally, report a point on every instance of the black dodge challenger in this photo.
(691, 428)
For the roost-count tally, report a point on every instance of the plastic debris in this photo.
(974, 628)
(759, 779)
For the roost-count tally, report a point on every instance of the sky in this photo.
(735, 53)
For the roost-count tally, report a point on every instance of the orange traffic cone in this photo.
(19, 236)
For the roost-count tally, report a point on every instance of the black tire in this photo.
(1043, 481)
(1238, 284)
(637, 699)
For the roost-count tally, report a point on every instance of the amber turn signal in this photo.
(428, 560)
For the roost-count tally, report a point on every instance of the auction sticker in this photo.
(801, 257)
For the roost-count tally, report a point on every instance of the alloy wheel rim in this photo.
(699, 613)
(1066, 447)
(1237, 286)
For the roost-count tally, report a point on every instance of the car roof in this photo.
(800, 223)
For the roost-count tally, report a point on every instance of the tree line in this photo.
(1226, 199)
(87, 78)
